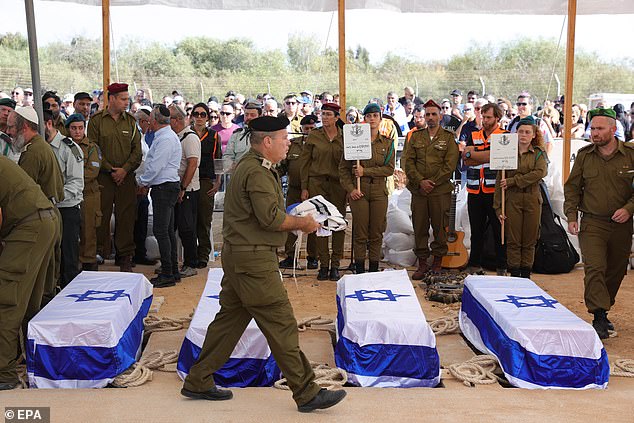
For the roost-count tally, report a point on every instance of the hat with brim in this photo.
(28, 113)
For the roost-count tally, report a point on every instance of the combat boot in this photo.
(515, 272)
(334, 274)
(323, 274)
(359, 266)
(323, 399)
(525, 272)
(423, 268)
(600, 323)
(436, 265)
(125, 264)
(374, 266)
(311, 263)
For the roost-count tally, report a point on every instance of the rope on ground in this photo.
(314, 323)
(476, 371)
(623, 367)
(325, 376)
(445, 325)
(22, 376)
(143, 370)
(154, 323)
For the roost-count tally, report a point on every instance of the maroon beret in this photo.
(432, 103)
(117, 88)
(334, 107)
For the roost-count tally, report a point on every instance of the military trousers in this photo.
(51, 277)
(90, 221)
(430, 210)
(24, 264)
(252, 288)
(124, 199)
(605, 246)
(523, 218)
(205, 212)
(293, 195)
(331, 189)
(369, 216)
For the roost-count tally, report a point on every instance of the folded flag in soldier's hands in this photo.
(323, 211)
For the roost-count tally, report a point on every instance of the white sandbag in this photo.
(404, 201)
(152, 248)
(398, 221)
(400, 258)
(399, 241)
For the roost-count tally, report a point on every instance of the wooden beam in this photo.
(342, 57)
(105, 29)
(570, 72)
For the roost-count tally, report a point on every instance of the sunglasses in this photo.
(521, 104)
(213, 117)
(226, 113)
(199, 114)
(290, 103)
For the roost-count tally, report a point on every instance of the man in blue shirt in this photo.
(161, 175)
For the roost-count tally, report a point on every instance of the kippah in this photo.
(269, 123)
(7, 102)
(308, 120)
(75, 117)
(371, 108)
(601, 112)
(117, 87)
(28, 113)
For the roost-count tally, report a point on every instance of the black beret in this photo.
(308, 120)
(269, 123)
(82, 95)
(7, 102)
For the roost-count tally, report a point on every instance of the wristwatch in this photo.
(468, 154)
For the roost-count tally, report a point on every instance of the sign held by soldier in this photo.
(357, 144)
(503, 151)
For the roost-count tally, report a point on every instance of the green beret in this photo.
(372, 108)
(528, 120)
(269, 123)
(601, 112)
(75, 117)
(7, 102)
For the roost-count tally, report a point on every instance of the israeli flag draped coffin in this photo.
(90, 332)
(538, 342)
(383, 339)
(250, 364)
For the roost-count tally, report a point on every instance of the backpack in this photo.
(554, 253)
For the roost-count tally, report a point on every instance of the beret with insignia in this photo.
(432, 103)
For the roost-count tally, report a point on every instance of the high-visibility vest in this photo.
(481, 178)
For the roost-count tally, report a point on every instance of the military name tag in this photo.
(357, 143)
(503, 151)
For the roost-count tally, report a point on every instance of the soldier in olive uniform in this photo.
(27, 228)
(52, 100)
(523, 199)
(369, 205)
(253, 227)
(600, 187)
(115, 132)
(429, 162)
(319, 172)
(39, 162)
(91, 207)
(290, 166)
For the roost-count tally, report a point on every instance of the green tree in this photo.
(14, 41)
(302, 51)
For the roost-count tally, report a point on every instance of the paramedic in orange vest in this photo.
(481, 188)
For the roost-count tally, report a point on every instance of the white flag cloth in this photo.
(539, 343)
(250, 364)
(383, 339)
(90, 332)
(323, 211)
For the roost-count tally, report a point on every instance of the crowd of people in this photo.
(100, 157)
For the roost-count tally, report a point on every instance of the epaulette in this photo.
(74, 148)
(629, 144)
(586, 147)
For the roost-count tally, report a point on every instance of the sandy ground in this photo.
(159, 400)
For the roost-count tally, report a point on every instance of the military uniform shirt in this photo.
(119, 141)
(599, 185)
(291, 165)
(39, 162)
(254, 205)
(92, 165)
(434, 159)
(381, 165)
(321, 156)
(72, 165)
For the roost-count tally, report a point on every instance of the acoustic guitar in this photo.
(456, 257)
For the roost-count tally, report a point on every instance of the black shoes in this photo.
(525, 272)
(515, 272)
(163, 281)
(144, 261)
(359, 266)
(201, 264)
(91, 267)
(334, 274)
(601, 324)
(323, 399)
(7, 386)
(374, 266)
(311, 263)
(214, 394)
(287, 263)
(323, 274)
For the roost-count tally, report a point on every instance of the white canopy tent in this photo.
(571, 8)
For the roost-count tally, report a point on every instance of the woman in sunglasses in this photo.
(210, 149)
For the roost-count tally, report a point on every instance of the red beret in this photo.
(432, 103)
(117, 88)
(334, 107)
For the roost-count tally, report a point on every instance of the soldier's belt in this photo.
(242, 248)
(528, 189)
(373, 179)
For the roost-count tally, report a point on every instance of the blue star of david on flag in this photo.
(535, 301)
(381, 295)
(92, 295)
(215, 297)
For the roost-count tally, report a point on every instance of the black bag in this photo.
(554, 253)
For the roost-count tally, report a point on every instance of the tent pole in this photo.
(342, 57)
(570, 71)
(35, 62)
(105, 28)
